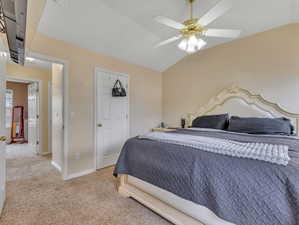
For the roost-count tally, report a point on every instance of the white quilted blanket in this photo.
(261, 151)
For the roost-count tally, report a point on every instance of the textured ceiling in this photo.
(126, 29)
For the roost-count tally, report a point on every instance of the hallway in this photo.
(23, 163)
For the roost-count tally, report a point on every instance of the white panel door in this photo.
(112, 118)
(33, 114)
(2, 134)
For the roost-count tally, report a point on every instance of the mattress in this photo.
(238, 190)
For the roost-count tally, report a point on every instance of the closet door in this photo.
(112, 118)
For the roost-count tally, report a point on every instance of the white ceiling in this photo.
(125, 29)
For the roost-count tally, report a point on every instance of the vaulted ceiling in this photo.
(125, 29)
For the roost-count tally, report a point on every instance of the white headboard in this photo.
(240, 102)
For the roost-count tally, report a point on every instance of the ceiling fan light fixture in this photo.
(192, 40)
(200, 44)
(191, 44)
(193, 29)
(183, 44)
(191, 49)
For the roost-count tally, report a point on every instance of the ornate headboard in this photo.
(241, 102)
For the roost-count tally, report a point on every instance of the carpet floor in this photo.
(36, 195)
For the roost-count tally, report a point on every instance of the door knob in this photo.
(100, 125)
(2, 138)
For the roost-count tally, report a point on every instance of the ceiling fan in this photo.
(193, 30)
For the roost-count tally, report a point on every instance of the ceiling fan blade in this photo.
(221, 8)
(225, 33)
(168, 41)
(169, 22)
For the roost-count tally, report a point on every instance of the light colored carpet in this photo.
(36, 195)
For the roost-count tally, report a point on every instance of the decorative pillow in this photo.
(252, 125)
(212, 121)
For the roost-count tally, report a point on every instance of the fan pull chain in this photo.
(191, 9)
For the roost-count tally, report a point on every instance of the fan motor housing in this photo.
(192, 28)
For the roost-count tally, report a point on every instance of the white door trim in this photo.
(56, 165)
(50, 117)
(2, 115)
(65, 63)
(98, 69)
(39, 126)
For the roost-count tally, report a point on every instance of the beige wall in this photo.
(145, 96)
(266, 63)
(17, 71)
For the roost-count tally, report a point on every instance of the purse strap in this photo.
(118, 82)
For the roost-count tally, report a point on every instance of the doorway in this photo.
(36, 133)
(22, 109)
(112, 117)
(27, 127)
(29, 164)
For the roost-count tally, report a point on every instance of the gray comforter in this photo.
(242, 191)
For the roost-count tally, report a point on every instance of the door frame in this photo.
(99, 69)
(39, 126)
(2, 115)
(65, 63)
(50, 117)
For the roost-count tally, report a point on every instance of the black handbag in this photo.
(118, 90)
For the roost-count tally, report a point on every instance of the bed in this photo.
(272, 183)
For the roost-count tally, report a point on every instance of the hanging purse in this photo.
(118, 90)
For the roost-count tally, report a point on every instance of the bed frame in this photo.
(241, 102)
(126, 189)
(234, 100)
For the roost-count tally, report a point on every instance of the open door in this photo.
(33, 133)
(2, 134)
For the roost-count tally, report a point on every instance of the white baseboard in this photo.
(109, 160)
(56, 165)
(1, 208)
(2, 200)
(80, 174)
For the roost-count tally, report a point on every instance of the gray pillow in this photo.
(211, 121)
(252, 125)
